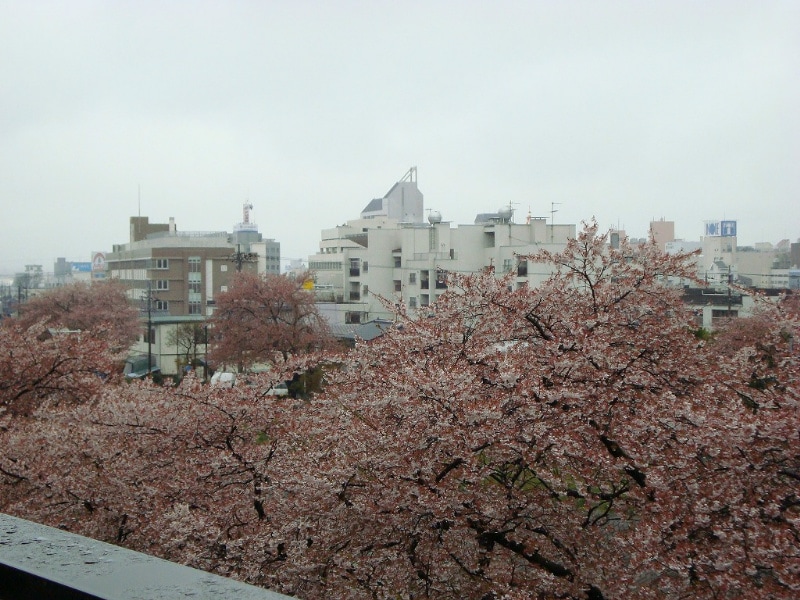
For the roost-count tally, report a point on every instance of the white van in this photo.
(223, 379)
(228, 380)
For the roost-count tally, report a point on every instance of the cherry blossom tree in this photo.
(64, 344)
(100, 307)
(264, 319)
(575, 440)
(37, 366)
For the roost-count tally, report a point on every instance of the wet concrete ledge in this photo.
(37, 561)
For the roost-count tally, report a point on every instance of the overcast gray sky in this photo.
(625, 111)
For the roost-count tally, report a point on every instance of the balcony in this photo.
(42, 562)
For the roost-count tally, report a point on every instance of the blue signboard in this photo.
(727, 228)
(81, 267)
(721, 228)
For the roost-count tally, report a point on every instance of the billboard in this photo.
(98, 265)
(81, 267)
(721, 228)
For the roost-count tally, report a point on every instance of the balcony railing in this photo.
(42, 562)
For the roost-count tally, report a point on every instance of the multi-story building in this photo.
(390, 254)
(719, 253)
(182, 272)
(663, 232)
(734, 275)
(176, 277)
(66, 272)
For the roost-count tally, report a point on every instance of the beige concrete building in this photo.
(662, 232)
(406, 259)
(183, 272)
(175, 277)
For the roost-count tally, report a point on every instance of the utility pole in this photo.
(205, 352)
(239, 257)
(149, 331)
(730, 282)
(149, 309)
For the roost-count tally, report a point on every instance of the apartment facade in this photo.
(180, 274)
(175, 277)
(381, 258)
(183, 272)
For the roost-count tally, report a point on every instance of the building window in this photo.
(194, 308)
(194, 280)
(223, 288)
(506, 265)
(223, 268)
(162, 284)
(325, 266)
(162, 263)
(396, 262)
(365, 266)
(365, 290)
(397, 285)
(161, 305)
(412, 302)
(412, 278)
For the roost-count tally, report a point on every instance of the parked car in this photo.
(223, 379)
(279, 390)
(136, 368)
(229, 380)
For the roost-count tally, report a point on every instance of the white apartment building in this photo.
(390, 252)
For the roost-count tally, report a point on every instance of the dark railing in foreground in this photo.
(41, 562)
